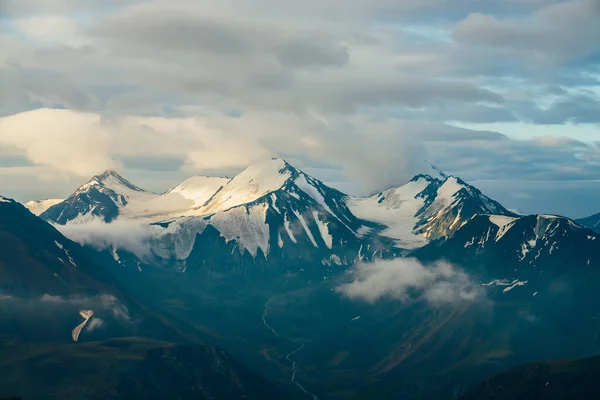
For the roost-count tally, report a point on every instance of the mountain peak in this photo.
(425, 177)
(109, 173)
(109, 179)
(6, 200)
(255, 181)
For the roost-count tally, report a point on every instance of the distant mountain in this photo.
(592, 222)
(553, 380)
(426, 208)
(519, 247)
(128, 368)
(101, 198)
(37, 207)
(272, 212)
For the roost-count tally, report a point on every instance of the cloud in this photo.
(118, 310)
(126, 235)
(70, 141)
(362, 155)
(97, 303)
(94, 324)
(406, 279)
(556, 33)
(165, 89)
(48, 298)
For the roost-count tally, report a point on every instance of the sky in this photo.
(358, 93)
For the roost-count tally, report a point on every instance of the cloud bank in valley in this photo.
(126, 235)
(408, 280)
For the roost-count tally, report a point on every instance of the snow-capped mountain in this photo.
(426, 208)
(272, 210)
(592, 222)
(199, 189)
(37, 207)
(101, 198)
(109, 196)
(508, 252)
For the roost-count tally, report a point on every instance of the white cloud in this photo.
(126, 235)
(65, 140)
(407, 279)
(53, 28)
(94, 324)
(48, 298)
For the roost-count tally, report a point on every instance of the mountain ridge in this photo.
(592, 222)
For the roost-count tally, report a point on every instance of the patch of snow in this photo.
(288, 228)
(86, 315)
(323, 229)
(279, 241)
(313, 192)
(5, 200)
(363, 231)
(456, 219)
(513, 285)
(199, 189)
(246, 225)
(70, 258)
(503, 223)
(115, 255)
(274, 203)
(336, 259)
(470, 242)
(449, 188)
(254, 182)
(306, 229)
(396, 209)
(355, 318)
(497, 282)
(60, 246)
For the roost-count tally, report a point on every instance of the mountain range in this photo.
(260, 265)
(271, 209)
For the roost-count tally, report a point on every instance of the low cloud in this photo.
(118, 310)
(130, 236)
(408, 280)
(48, 298)
(54, 303)
(94, 324)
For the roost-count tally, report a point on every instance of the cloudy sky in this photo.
(504, 93)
